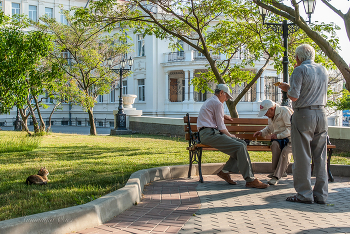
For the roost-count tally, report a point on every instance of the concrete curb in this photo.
(105, 208)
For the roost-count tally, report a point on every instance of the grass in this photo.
(83, 168)
(18, 142)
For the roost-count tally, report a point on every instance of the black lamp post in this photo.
(121, 116)
(18, 126)
(286, 29)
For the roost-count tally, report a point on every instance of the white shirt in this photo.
(280, 124)
(211, 114)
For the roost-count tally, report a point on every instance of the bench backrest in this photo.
(243, 128)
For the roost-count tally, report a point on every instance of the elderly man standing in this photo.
(308, 92)
(279, 128)
(213, 132)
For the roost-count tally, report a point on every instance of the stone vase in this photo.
(128, 100)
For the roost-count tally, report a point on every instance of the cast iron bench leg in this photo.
(191, 161)
(196, 156)
(200, 164)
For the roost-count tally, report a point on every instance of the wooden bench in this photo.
(243, 128)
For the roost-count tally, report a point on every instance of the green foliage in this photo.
(82, 49)
(343, 103)
(23, 71)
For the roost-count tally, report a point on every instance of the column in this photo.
(187, 79)
(258, 99)
(191, 86)
(167, 86)
(262, 87)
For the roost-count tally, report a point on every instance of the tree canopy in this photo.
(81, 51)
(327, 44)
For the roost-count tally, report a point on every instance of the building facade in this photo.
(161, 78)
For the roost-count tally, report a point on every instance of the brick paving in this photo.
(185, 206)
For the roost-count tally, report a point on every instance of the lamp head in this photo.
(123, 63)
(309, 6)
(131, 61)
(109, 62)
(263, 13)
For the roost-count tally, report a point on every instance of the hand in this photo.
(228, 117)
(258, 133)
(273, 136)
(233, 136)
(284, 87)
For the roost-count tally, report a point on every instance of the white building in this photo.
(160, 79)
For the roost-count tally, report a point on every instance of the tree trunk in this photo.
(24, 119)
(35, 122)
(232, 105)
(42, 123)
(53, 110)
(92, 122)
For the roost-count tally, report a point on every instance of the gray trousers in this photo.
(280, 159)
(309, 142)
(239, 160)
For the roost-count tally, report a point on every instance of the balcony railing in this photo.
(176, 56)
(187, 56)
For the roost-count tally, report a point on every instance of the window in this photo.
(48, 99)
(66, 55)
(112, 95)
(100, 98)
(180, 52)
(125, 87)
(16, 9)
(49, 12)
(63, 18)
(0, 5)
(140, 45)
(33, 13)
(141, 86)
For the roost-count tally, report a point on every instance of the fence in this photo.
(107, 123)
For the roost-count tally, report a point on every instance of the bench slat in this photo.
(249, 147)
(248, 121)
(241, 136)
(232, 129)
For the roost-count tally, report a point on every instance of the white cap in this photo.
(265, 106)
(226, 89)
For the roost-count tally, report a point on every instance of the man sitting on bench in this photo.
(212, 131)
(279, 128)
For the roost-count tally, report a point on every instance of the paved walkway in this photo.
(185, 206)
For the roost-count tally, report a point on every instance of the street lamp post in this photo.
(18, 126)
(121, 116)
(286, 29)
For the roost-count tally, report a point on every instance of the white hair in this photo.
(305, 52)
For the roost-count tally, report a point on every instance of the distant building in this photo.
(161, 78)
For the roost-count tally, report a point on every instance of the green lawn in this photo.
(83, 168)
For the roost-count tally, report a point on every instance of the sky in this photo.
(324, 14)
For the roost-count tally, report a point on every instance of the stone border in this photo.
(105, 208)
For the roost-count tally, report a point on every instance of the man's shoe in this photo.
(283, 175)
(319, 202)
(226, 177)
(256, 184)
(273, 181)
